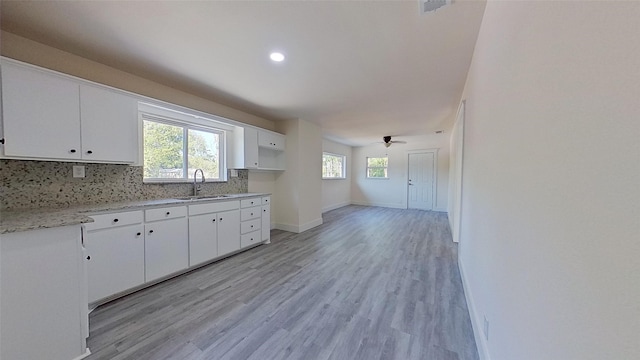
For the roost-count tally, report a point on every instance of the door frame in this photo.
(456, 170)
(434, 183)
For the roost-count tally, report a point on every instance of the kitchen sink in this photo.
(202, 197)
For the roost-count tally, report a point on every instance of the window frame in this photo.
(344, 166)
(367, 167)
(186, 126)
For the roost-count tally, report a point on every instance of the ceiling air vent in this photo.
(432, 5)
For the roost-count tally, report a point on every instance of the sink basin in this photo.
(202, 197)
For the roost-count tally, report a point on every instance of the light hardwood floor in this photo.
(370, 283)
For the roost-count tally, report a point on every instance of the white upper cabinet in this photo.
(270, 140)
(41, 117)
(258, 149)
(47, 116)
(245, 154)
(109, 126)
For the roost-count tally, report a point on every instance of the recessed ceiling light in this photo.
(276, 56)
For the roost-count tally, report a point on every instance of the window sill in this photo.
(179, 181)
(335, 178)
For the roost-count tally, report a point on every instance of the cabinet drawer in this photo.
(251, 225)
(249, 239)
(106, 221)
(213, 207)
(249, 213)
(165, 213)
(249, 202)
(266, 200)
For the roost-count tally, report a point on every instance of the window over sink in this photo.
(173, 149)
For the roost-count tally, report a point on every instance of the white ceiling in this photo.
(360, 69)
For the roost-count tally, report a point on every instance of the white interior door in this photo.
(421, 179)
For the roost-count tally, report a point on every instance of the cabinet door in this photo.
(116, 260)
(228, 231)
(41, 114)
(251, 148)
(266, 222)
(41, 302)
(270, 140)
(203, 238)
(109, 125)
(166, 248)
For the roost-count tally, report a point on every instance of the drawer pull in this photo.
(252, 226)
(115, 220)
(264, 210)
(150, 231)
(88, 257)
(138, 234)
(168, 212)
(214, 220)
(251, 214)
(89, 152)
(72, 151)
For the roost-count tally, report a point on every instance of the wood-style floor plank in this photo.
(370, 283)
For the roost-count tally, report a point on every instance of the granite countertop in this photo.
(42, 218)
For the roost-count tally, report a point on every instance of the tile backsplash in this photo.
(35, 184)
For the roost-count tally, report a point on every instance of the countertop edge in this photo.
(35, 219)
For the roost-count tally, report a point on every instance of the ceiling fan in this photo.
(387, 141)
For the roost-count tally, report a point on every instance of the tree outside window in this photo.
(175, 151)
(333, 166)
(377, 167)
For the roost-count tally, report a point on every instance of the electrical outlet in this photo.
(78, 171)
(234, 173)
(485, 329)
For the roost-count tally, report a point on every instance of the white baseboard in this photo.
(365, 203)
(335, 206)
(299, 228)
(86, 353)
(476, 319)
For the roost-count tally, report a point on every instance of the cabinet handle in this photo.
(220, 219)
(214, 220)
(89, 152)
(251, 214)
(115, 220)
(252, 226)
(264, 210)
(150, 231)
(72, 151)
(168, 212)
(88, 257)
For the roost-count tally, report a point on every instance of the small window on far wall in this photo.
(333, 166)
(377, 167)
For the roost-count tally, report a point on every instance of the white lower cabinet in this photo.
(266, 223)
(116, 260)
(43, 310)
(203, 238)
(166, 247)
(228, 232)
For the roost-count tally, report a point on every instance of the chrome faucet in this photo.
(196, 187)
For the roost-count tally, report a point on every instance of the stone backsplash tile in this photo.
(36, 184)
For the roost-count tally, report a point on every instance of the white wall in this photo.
(392, 192)
(550, 242)
(297, 195)
(337, 192)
